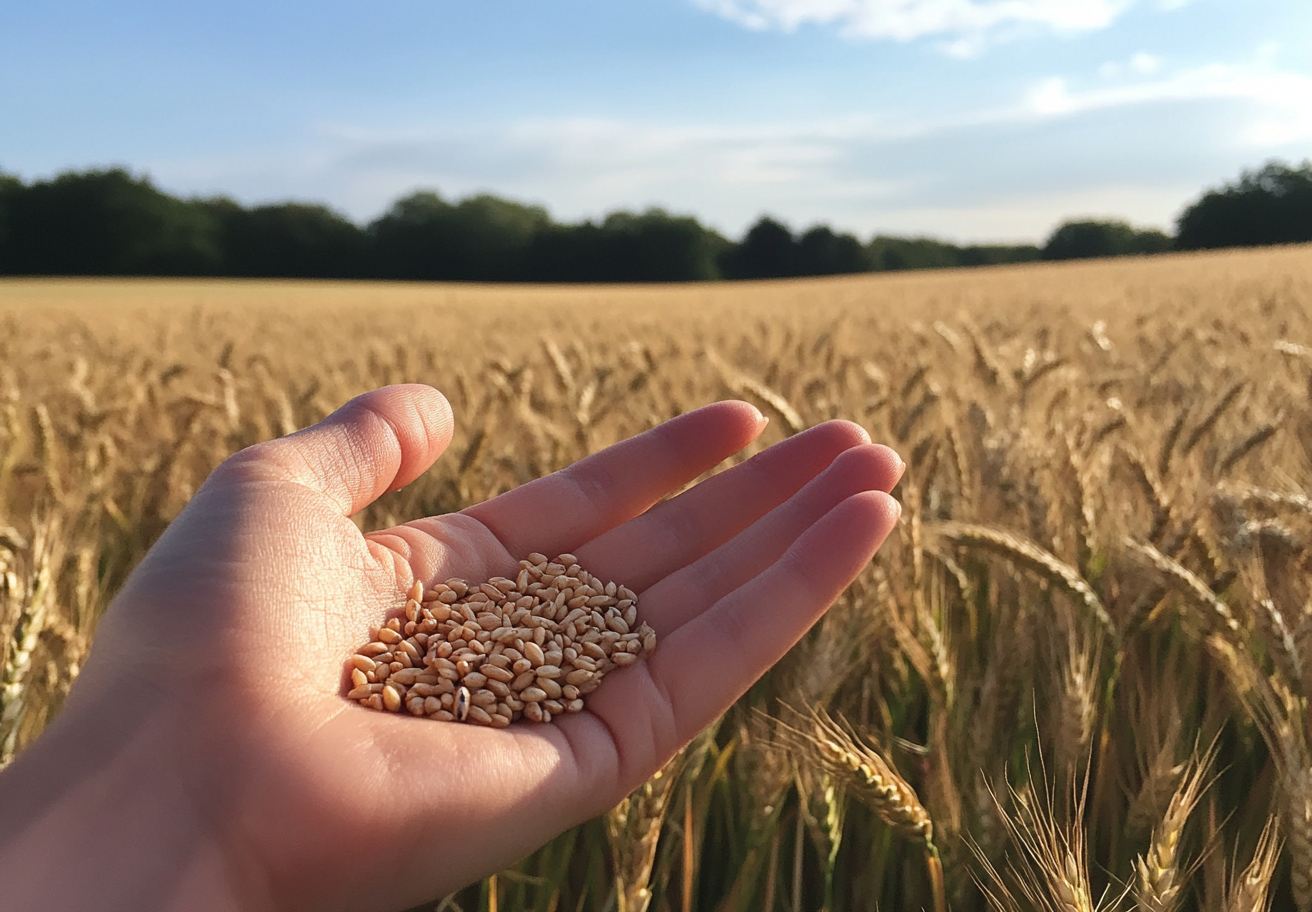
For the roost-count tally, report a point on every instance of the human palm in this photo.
(220, 669)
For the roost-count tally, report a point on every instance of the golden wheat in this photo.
(1104, 555)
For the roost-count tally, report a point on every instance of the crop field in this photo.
(1076, 677)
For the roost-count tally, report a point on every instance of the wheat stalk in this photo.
(633, 828)
(1216, 612)
(836, 748)
(740, 383)
(1249, 891)
(33, 596)
(1031, 556)
(1160, 874)
(1213, 415)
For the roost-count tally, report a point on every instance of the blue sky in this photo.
(972, 120)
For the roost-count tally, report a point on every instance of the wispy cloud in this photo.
(964, 25)
(1009, 172)
(1280, 103)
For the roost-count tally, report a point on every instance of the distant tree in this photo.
(106, 223)
(482, 238)
(997, 254)
(9, 187)
(1093, 238)
(767, 251)
(653, 246)
(892, 253)
(820, 251)
(289, 240)
(1272, 205)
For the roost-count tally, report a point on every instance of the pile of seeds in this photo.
(530, 647)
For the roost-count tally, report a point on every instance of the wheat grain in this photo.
(467, 636)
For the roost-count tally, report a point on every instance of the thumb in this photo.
(378, 442)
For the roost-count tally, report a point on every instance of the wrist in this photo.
(94, 816)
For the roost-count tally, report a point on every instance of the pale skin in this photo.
(208, 759)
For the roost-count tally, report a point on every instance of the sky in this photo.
(967, 120)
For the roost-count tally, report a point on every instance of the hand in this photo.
(208, 759)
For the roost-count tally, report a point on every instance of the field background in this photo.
(1077, 674)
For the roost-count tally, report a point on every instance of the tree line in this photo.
(110, 222)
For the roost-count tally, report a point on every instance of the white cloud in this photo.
(965, 25)
(1006, 173)
(1145, 64)
(1281, 102)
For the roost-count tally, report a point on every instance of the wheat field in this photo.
(1077, 676)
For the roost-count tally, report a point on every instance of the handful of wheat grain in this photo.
(490, 653)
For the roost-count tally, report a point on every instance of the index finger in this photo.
(564, 509)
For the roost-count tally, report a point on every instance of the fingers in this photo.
(576, 504)
(375, 443)
(713, 658)
(675, 533)
(684, 594)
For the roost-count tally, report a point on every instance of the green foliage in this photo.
(1087, 238)
(893, 253)
(290, 240)
(1272, 205)
(482, 238)
(106, 223)
(109, 222)
(767, 251)
(652, 246)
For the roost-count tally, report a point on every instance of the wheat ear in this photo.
(633, 828)
(1249, 891)
(1159, 877)
(836, 748)
(1035, 558)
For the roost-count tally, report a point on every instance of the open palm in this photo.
(220, 669)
